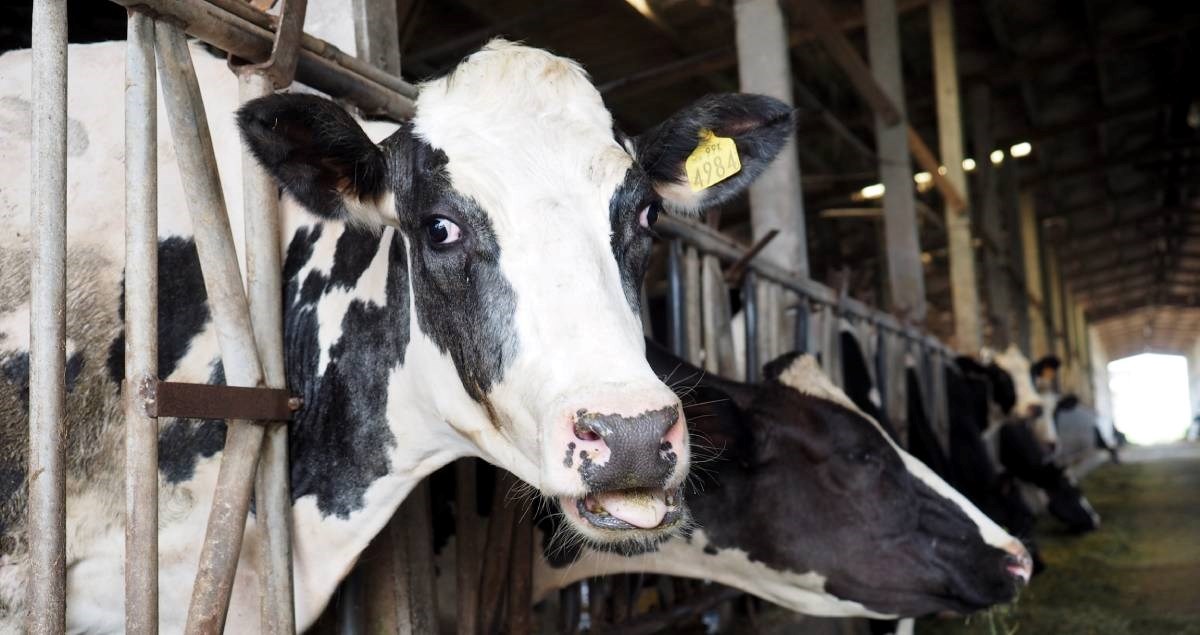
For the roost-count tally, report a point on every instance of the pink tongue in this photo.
(638, 509)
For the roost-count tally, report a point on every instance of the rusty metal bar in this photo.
(47, 321)
(272, 490)
(734, 274)
(208, 401)
(141, 327)
(231, 318)
(324, 70)
(750, 314)
(676, 326)
(468, 555)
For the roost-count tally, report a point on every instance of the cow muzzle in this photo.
(630, 467)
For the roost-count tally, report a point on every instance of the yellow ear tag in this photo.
(714, 160)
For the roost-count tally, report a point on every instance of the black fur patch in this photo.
(339, 441)
(182, 308)
(183, 442)
(631, 243)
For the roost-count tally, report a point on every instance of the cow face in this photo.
(808, 483)
(526, 225)
(1018, 396)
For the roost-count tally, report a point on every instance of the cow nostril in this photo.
(585, 434)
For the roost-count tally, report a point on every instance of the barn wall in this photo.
(1102, 397)
(1194, 376)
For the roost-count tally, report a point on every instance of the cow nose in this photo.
(1034, 411)
(1018, 563)
(639, 448)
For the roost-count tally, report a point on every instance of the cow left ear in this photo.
(757, 125)
(318, 154)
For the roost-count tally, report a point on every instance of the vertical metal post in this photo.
(718, 344)
(47, 321)
(676, 327)
(467, 524)
(750, 313)
(1000, 306)
(691, 304)
(800, 328)
(906, 280)
(141, 327)
(231, 319)
(963, 291)
(263, 269)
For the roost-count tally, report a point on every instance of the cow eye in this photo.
(442, 230)
(861, 456)
(649, 214)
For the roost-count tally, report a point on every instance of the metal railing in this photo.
(249, 329)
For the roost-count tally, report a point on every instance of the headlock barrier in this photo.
(393, 589)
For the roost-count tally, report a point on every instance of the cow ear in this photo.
(318, 154)
(758, 126)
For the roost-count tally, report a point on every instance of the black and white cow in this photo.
(463, 284)
(809, 504)
(1013, 440)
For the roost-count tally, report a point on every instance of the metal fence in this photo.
(781, 312)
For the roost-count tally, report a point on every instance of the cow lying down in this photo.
(805, 502)
(449, 286)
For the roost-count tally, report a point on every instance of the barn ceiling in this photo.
(1106, 91)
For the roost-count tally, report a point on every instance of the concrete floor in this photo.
(1139, 574)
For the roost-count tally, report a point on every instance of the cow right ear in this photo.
(318, 154)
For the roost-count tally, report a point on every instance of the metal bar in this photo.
(327, 69)
(466, 526)
(520, 582)
(141, 327)
(260, 198)
(734, 273)
(750, 314)
(280, 67)
(676, 327)
(231, 318)
(47, 321)
(692, 300)
(207, 401)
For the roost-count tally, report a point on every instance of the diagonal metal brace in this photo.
(208, 401)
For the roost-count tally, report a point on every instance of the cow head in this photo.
(526, 225)
(1011, 378)
(808, 483)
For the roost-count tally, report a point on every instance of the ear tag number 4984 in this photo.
(714, 160)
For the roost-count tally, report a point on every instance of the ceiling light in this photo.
(997, 157)
(969, 164)
(1020, 149)
(872, 191)
(922, 178)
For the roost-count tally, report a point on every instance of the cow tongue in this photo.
(640, 509)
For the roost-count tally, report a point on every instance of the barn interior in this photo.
(1045, 156)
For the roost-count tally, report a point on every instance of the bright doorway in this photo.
(1150, 397)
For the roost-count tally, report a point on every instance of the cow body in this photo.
(424, 283)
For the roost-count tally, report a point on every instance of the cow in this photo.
(808, 503)
(1017, 447)
(1034, 405)
(463, 284)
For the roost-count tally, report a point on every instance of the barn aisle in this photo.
(1139, 574)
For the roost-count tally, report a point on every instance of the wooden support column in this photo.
(995, 262)
(1031, 249)
(905, 275)
(1006, 179)
(963, 291)
(377, 34)
(775, 197)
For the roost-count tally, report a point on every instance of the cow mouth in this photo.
(630, 509)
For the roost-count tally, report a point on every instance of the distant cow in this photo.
(1021, 451)
(466, 286)
(808, 503)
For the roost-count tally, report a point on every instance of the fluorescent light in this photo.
(969, 164)
(641, 7)
(922, 178)
(942, 170)
(1020, 149)
(872, 191)
(997, 157)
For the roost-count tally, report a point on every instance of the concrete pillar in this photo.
(775, 197)
(1031, 250)
(905, 275)
(968, 335)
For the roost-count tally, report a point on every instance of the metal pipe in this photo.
(141, 327)
(750, 313)
(676, 328)
(800, 329)
(272, 492)
(231, 319)
(47, 321)
(333, 75)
